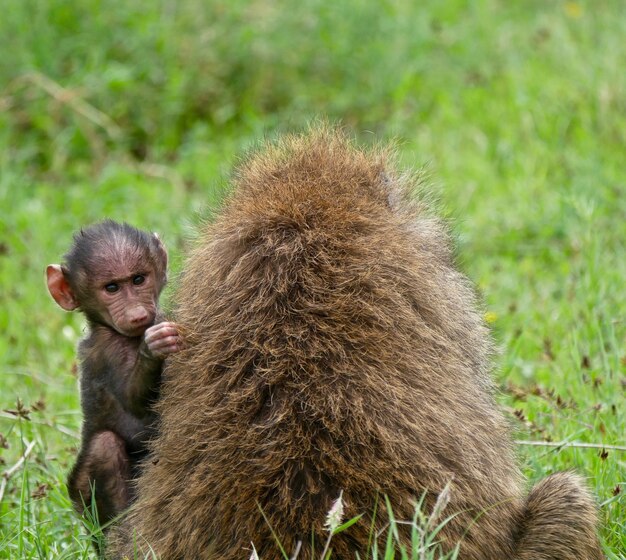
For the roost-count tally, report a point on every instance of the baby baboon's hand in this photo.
(162, 340)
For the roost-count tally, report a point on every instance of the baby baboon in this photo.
(114, 274)
(335, 348)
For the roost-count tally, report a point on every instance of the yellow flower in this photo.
(490, 317)
(573, 10)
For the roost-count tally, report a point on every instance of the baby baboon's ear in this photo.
(160, 257)
(59, 287)
(162, 251)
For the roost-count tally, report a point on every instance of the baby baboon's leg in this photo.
(102, 470)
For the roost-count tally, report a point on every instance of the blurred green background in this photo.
(137, 110)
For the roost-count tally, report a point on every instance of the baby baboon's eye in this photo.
(138, 279)
(112, 287)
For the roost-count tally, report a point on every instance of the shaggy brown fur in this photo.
(335, 348)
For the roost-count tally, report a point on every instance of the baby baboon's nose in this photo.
(137, 315)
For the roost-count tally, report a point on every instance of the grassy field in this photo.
(516, 110)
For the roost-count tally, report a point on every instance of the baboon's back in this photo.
(333, 347)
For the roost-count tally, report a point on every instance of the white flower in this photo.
(335, 514)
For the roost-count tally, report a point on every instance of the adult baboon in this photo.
(334, 346)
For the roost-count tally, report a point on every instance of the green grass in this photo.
(517, 110)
